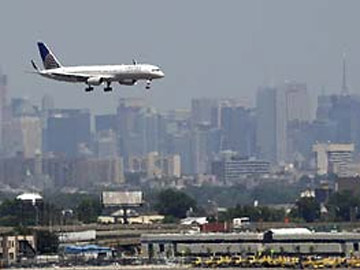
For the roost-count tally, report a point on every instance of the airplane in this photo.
(95, 75)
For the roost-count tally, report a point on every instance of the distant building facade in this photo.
(334, 158)
(22, 135)
(231, 170)
(156, 165)
(271, 129)
(66, 130)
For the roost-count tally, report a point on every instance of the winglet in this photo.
(34, 65)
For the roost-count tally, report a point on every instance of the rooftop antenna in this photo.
(344, 86)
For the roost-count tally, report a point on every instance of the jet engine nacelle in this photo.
(127, 82)
(94, 81)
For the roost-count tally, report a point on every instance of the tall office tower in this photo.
(202, 110)
(105, 122)
(238, 127)
(106, 144)
(199, 148)
(67, 130)
(151, 127)
(297, 102)
(344, 85)
(181, 144)
(324, 104)
(23, 135)
(271, 124)
(175, 137)
(47, 103)
(130, 127)
(344, 113)
(4, 114)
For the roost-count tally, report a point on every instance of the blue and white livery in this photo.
(95, 75)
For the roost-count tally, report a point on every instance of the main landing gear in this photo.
(89, 88)
(108, 88)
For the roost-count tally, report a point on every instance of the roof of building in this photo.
(85, 249)
(285, 231)
(33, 197)
(194, 220)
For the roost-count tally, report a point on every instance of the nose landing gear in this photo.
(148, 84)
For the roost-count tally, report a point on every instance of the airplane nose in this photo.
(161, 74)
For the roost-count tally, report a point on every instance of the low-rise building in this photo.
(232, 169)
(334, 158)
(280, 241)
(16, 247)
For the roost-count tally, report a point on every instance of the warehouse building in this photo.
(290, 241)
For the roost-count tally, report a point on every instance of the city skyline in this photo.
(229, 52)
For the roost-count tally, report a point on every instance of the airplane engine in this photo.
(94, 81)
(127, 82)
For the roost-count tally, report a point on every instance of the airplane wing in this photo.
(71, 76)
(76, 77)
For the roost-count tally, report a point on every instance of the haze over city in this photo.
(206, 48)
(185, 134)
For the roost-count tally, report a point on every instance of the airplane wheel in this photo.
(107, 89)
(89, 89)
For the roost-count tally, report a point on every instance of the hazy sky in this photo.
(206, 48)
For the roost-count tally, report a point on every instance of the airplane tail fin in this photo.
(48, 58)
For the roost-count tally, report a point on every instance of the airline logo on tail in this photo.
(48, 58)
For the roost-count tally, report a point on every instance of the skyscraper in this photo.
(3, 104)
(271, 124)
(297, 102)
(238, 128)
(66, 130)
(23, 135)
(202, 110)
(130, 127)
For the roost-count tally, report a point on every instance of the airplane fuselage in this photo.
(95, 75)
(109, 73)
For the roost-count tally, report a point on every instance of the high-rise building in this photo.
(129, 127)
(181, 144)
(47, 103)
(199, 148)
(297, 102)
(334, 158)
(271, 124)
(66, 130)
(23, 135)
(151, 129)
(4, 114)
(105, 122)
(84, 172)
(202, 110)
(338, 114)
(156, 165)
(238, 130)
(106, 144)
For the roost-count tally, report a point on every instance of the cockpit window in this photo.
(156, 69)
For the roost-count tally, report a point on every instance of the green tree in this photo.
(258, 213)
(174, 203)
(307, 208)
(343, 206)
(88, 210)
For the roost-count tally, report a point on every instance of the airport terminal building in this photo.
(297, 241)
